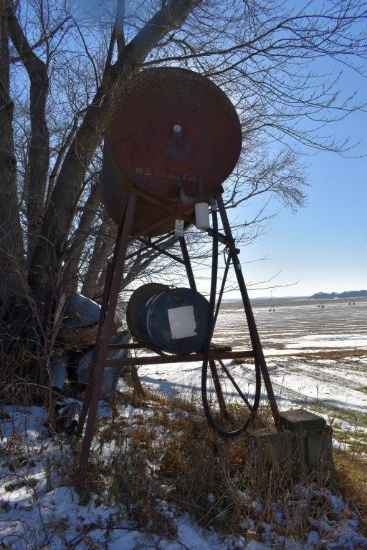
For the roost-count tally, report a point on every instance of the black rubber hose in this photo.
(210, 325)
(206, 348)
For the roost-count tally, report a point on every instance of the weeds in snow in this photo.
(152, 462)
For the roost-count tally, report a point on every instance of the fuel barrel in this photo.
(171, 130)
(169, 319)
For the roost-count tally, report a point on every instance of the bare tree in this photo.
(63, 67)
(11, 257)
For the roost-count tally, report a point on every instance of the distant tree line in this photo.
(345, 294)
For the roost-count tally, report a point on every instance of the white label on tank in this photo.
(182, 322)
(179, 228)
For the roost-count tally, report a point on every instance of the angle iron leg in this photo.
(120, 253)
(254, 335)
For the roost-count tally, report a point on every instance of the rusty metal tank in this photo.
(173, 135)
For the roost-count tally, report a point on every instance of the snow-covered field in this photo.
(317, 359)
(316, 355)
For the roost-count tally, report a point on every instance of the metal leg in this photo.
(91, 373)
(254, 335)
(106, 329)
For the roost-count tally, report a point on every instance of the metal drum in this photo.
(138, 297)
(173, 134)
(171, 319)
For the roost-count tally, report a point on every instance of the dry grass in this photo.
(331, 355)
(159, 458)
(352, 478)
(168, 456)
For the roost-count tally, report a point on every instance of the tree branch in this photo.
(59, 215)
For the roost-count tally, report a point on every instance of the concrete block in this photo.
(303, 440)
(298, 419)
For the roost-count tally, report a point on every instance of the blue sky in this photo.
(323, 247)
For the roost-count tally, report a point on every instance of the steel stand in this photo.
(110, 297)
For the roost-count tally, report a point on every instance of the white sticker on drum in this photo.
(182, 322)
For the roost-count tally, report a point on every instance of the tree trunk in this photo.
(39, 151)
(94, 278)
(16, 317)
(11, 242)
(73, 258)
(49, 225)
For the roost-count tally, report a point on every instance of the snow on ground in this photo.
(38, 512)
(300, 377)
